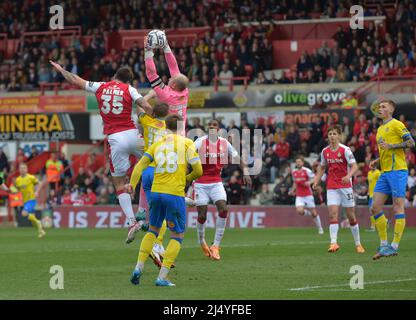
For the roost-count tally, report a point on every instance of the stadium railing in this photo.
(383, 85)
(231, 82)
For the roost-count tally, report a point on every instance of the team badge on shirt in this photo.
(339, 154)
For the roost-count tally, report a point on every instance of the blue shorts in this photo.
(370, 202)
(169, 207)
(29, 206)
(392, 183)
(147, 181)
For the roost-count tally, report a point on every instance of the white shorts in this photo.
(340, 197)
(308, 202)
(204, 192)
(121, 146)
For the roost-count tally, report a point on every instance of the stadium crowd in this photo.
(224, 51)
(280, 146)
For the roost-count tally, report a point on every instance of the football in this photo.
(156, 39)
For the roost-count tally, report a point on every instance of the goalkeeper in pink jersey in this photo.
(176, 93)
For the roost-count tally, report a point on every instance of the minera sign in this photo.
(239, 217)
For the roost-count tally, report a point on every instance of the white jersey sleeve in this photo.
(92, 86)
(349, 156)
(310, 173)
(231, 150)
(198, 143)
(323, 160)
(134, 94)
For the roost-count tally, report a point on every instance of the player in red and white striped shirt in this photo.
(115, 102)
(341, 165)
(305, 203)
(214, 152)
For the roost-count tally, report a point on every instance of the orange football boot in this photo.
(359, 249)
(206, 250)
(215, 252)
(333, 247)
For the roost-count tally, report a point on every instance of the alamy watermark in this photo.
(57, 280)
(357, 280)
(357, 18)
(57, 20)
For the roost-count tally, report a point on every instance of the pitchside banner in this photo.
(42, 104)
(41, 127)
(239, 217)
(270, 98)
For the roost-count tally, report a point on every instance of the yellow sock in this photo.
(162, 232)
(381, 226)
(146, 246)
(373, 221)
(171, 252)
(35, 222)
(399, 225)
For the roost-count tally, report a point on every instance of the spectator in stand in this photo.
(112, 197)
(67, 198)
(103, 197)
(282, 150)
(54, 198)
(261, 78)
(67, 169)
(303, 65)
(44, 75)
(225, 73)
(266, 197)
(281, 196)
(411, 179)
(293, 139)
(66, 184)
(89, 198)
(196, 124)
(54, 170)
(4, 162)
(271, 164)
(80, 178)
(359, 123)
(234, 191)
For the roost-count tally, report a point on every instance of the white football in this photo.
(156, 39)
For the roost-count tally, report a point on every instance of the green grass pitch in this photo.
(256, 264)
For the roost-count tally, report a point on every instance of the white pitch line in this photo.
(347, 284)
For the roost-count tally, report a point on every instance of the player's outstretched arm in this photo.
(143, 105)
(138, 170)
(70, 77)
(150, 95)
(171, 60)
(40, 186)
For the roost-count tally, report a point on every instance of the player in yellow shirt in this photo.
(392, 138)
(171, 154)
(154, 128)
(372, 178)
(26, 183)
